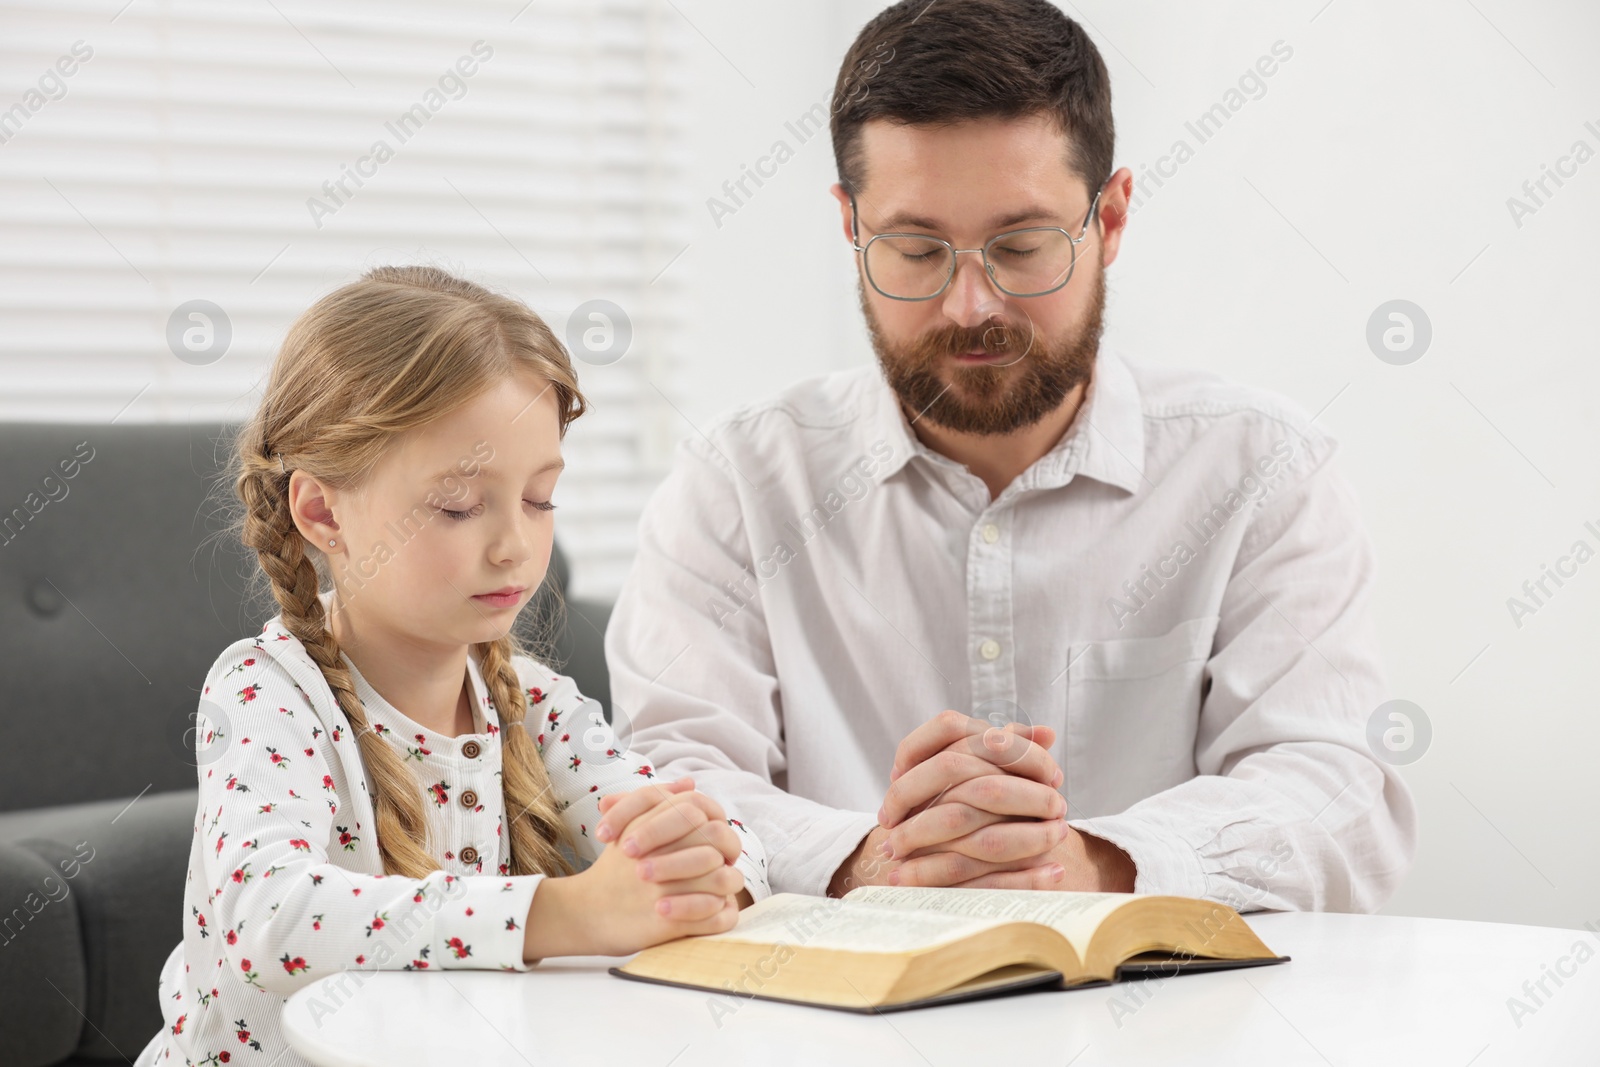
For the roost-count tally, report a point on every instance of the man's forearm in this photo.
(1093, 864)
(864, 866)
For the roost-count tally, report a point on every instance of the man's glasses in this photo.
(915, 266)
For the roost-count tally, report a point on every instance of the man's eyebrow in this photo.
(905, 220)
(456, 472)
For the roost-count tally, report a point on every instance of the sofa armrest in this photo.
(42, 974)
(119, 871)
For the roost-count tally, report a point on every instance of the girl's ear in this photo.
(311, 505)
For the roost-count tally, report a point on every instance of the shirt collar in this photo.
(1105, 441)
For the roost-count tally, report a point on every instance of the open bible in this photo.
(883, 948)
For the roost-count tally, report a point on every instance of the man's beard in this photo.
(983, 399)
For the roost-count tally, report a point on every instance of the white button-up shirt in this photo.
(1180, 588)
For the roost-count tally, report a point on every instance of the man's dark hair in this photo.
(922, 63)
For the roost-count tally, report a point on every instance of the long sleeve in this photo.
(270, 815)
(715, 712)
(586, 760)
(1290, 810)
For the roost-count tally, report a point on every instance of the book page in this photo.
(1075, 915)
(823, 922)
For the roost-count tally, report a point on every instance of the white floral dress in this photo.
(285, 884)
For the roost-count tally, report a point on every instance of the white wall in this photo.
(1376, 165)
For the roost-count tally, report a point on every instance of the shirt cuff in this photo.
(1163, 862)
(480, 924)
(755, 875)
(811, 858)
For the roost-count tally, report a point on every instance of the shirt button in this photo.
(471, 750)
(990, 649)
(991, 533)
(469, 855)
(469, 799)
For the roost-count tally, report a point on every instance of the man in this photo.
(1141, 594)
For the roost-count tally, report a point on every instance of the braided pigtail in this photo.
(397, 795)
(532, 818)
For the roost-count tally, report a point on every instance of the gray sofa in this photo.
(117, 591)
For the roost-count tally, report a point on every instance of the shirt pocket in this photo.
(1132, 713)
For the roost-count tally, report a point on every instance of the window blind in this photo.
(255, 156)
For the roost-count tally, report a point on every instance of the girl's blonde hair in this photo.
(388, 353)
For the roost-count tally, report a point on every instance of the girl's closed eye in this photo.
(461, 516)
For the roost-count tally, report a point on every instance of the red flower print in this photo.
(300, 844)
(378, 920)
(281, 760)
(348, 840)
(231, 937)
(327, 781)
(248, 693)
(295, 965)
(511, 924)
(536, 696)
(336, 731)
(242, 1032)
(177, 1027)
(266, 809)
(469, 911)
(316, 921)
(361, 959)
(311, 751)
(461, 951)
(249, 975)
(566, 737)
(644, 769)
(441, 794)
(575, 761)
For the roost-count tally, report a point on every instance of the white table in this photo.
(1360, 990)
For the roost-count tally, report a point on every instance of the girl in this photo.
(387, 781)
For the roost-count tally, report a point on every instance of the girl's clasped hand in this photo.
(666, 872)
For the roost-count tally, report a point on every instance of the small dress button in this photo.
(471, 749)
(469, 855)
(469, 799)
(991, 533)
(990, 649)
